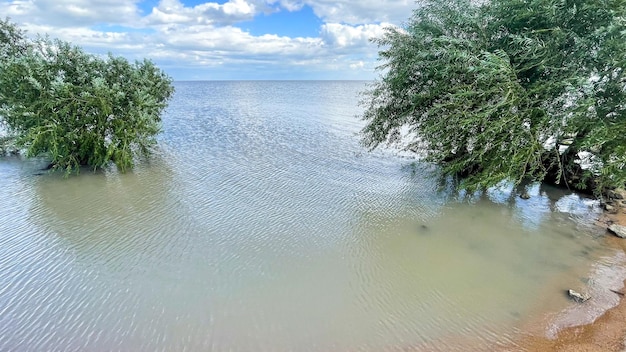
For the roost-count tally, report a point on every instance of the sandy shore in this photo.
(606, 333)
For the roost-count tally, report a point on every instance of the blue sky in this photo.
(224, 39)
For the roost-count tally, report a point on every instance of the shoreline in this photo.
(607, 333)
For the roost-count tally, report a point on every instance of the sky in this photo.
(223, 39)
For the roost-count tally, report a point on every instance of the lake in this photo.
(261, 224)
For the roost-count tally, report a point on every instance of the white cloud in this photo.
(340, 49)
(173, 11)
(230, 40)
(68, 13)
(357, 65)
(289, 5)
(205, 36)
(347, 36)
(356, 11)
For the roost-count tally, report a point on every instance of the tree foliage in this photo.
(76, 108)
(12, 40)
(509, 90)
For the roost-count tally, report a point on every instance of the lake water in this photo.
(261, 224)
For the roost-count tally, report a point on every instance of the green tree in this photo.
(12, 40)
(76, 108)
(507, 90)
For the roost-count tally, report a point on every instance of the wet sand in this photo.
(607, 333)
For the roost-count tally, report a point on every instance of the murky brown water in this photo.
(262, 225)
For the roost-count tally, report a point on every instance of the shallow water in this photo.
(262, 225)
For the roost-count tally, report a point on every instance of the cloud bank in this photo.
(193, 39)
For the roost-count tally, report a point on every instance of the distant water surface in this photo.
(261, 224)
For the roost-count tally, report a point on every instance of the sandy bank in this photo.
(606, 333)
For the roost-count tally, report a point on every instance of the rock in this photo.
(610, 209)
(525, 195)
(577, 296)
(617, 194)
(618, 230)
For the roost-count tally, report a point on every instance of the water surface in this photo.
(261, 224)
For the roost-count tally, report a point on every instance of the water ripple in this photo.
(262, 225)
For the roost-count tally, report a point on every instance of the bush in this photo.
(75, 108)
(507, 90)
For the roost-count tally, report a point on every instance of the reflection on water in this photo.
(261, 224)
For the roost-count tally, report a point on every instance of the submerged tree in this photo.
(509, 90)
(76, 108)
